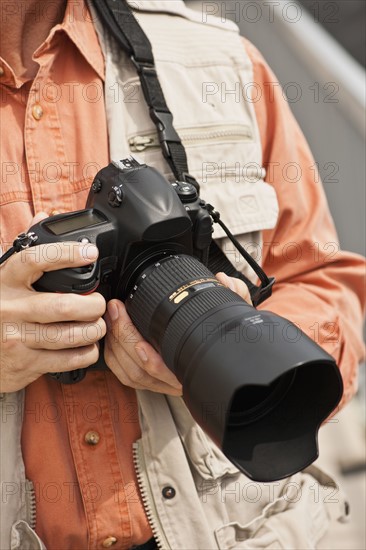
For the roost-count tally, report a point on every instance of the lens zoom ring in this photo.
(190, 312)
(159, 284)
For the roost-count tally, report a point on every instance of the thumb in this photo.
(236, 285)
(38, 218)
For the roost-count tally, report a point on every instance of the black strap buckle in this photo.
(24, 241)
(166, 131)
(190, 179)
(263, 292)
(143, 66)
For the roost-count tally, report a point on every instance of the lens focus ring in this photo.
(158, 283)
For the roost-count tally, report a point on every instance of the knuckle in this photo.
(13, 365)
(113, 339)
(63, 305)
(9, 346)
(137, 375)
(52, 333)
(29, 256)
(82, 357)
(74, 361)
(154, 367)
(18, 367)
(91, 333)
(66, 337)
(129, 333)
(10, 331)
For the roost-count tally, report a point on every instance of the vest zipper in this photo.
(147, 497)
(30, 502)
(192, 136)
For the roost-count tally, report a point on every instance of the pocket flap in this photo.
(245, 207)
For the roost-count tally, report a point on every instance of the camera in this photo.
(258, 394)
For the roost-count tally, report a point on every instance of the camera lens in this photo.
(169, 295)
(258, 394)
(251, 402)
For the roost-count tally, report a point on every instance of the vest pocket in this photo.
(236, 537)
(218, 157)
(195, 136)
(24, 538)
(297, 515)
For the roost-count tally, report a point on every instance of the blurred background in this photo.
(317, 50)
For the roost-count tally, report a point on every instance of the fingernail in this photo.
(89, 252)
(142, 354)
(113, 311)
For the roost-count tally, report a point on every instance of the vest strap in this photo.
(118, 17)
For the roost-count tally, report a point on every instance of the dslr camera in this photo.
(260, 396)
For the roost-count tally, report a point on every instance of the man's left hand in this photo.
(133, 360)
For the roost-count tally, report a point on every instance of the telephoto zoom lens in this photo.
(257, 385)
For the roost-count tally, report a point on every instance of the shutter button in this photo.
(92, 438)
(109, 541)
(169, 492)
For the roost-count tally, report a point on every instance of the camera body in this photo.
(154, 239)
(135, 218)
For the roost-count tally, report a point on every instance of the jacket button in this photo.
(37, 111)
(109, 541)
(169, 492)
(92, 438)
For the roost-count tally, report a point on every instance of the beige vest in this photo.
(206, 77)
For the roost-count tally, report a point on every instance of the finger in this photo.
(241, 288)
(34, 363)
(152, 363)
(127, 338)
(56, 336)
(236, 285)
(29, 265)
(132, 375)
(49, 307)
(38, 218)
(67, 360)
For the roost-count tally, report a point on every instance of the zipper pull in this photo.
(140, 143)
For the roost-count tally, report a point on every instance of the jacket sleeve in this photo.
(319, 287)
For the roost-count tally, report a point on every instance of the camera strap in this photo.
(22, 242)
(119, 19)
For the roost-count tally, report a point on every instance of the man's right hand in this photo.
(46, 332)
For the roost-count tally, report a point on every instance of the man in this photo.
(78, 442)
